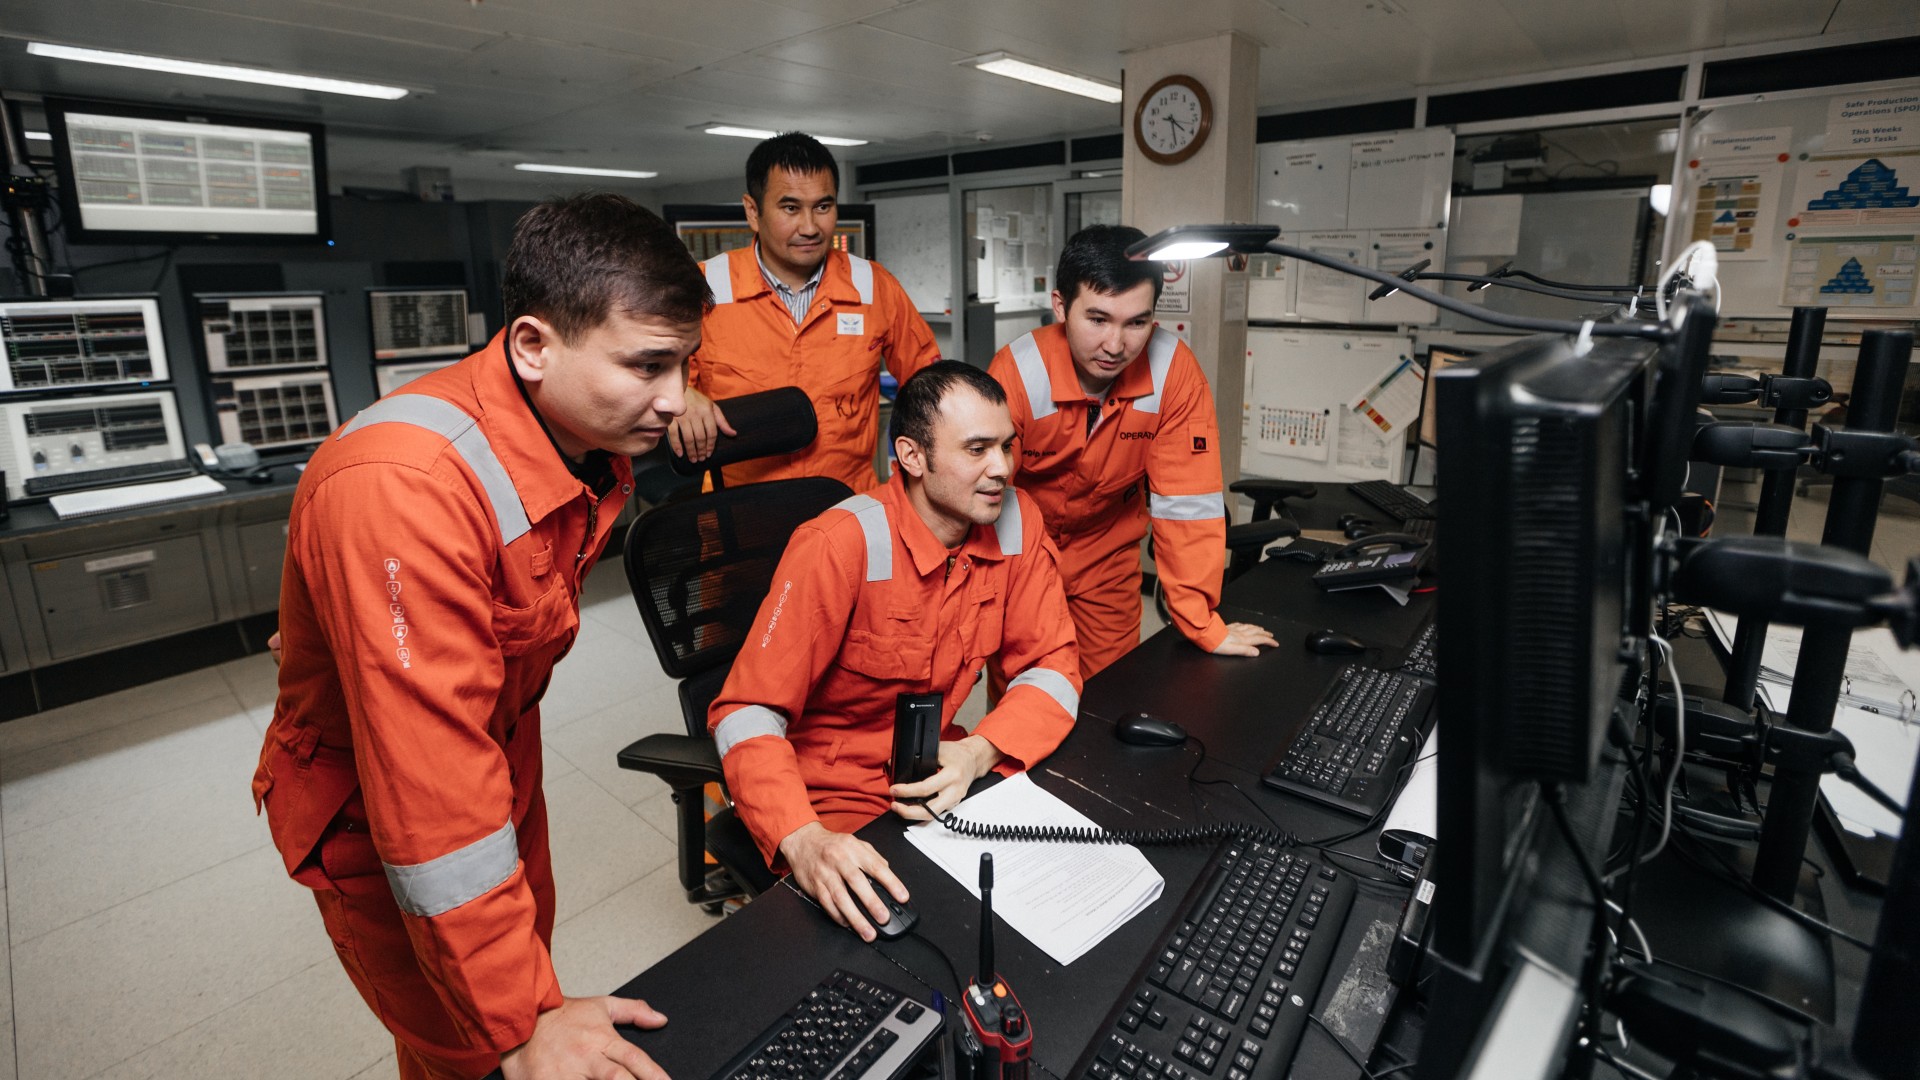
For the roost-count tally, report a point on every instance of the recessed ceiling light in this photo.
(1000, 63)
(217, 71)
(760, 133)
(47, 136)
(582, 170)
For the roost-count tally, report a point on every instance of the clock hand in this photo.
(1176, 124)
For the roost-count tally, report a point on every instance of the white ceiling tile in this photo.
(1899, 18)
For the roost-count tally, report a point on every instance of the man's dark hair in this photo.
(795, 151)
(574, 260)
(1096, 257)
(918, 401)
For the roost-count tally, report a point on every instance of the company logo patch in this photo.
(1199, 444)
(853, 323)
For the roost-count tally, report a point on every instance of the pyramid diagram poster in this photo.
(1868, 274)
(1877, 189)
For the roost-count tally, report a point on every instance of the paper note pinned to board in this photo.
(1393, 401)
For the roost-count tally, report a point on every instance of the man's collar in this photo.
(926, 550)
(776, 284)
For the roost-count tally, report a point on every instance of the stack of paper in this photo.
(1065, 898)
(1884, 748)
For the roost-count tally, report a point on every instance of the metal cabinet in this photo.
(103, 599)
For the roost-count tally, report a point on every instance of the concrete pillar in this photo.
(1216, 184)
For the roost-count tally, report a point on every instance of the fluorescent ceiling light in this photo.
(42, 135)
(1188, 249)
(217, 71)
(1013, 67)
(761, 133)
(582, 170)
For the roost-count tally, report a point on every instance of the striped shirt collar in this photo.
(799, 300)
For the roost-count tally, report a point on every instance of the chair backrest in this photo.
(777, 421)
(699, 568)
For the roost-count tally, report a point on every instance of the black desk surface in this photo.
(722, 988)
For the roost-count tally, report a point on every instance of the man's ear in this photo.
(1059, 307)
(910, 456)
(530, 342)
(753, 212)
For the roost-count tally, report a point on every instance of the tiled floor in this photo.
(151, 931)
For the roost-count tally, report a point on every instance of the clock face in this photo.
(1172, 120)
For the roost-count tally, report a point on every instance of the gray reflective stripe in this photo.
(873, 522)
(1051, 683)
(1033, 375)
(720, 278)
(1187, 507)
(439, 885)
(1006, 527)
(451, 422)
(862, 273)
(1159, 359)
(747, 722)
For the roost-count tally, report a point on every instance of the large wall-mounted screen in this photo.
(140, 174)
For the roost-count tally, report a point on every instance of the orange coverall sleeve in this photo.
(1186, 502)
(435, 782)
(796, 635)
(910, 340)
(1008, 376)
(1038, 654)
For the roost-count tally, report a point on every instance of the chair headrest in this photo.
(778, 421)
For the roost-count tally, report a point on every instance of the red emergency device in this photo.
(993, 1012)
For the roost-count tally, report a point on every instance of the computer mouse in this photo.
(1353, 528)
(901, 918)
(1333, 642)
(1145, 729)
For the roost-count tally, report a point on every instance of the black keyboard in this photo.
(1422, 662)
(1393, 499)
(848, 1026)
(1225, 992)
(1420, 528)
(96, 478)
(1349, 753)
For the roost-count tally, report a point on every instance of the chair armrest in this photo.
(1274, 490)
(681, 760)
(1254, 534)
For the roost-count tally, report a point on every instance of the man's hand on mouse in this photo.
(961, 763)
(832, 867)
(1244, 639)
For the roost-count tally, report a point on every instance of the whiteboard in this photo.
(1295, 421)
(916, 245)
(1390, 180)
(1303, 184)
(1805, 258)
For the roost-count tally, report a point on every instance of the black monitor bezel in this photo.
(57, 109)
(204, 363)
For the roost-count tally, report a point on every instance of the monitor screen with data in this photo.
(78, 344)
(144, 174)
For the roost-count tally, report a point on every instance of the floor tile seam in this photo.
(120, 796)
(608, 899)
(13, 944)
(8, 752)
(203, 1020)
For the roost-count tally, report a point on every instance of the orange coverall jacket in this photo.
(432, 582)
(860, 318)
(1157, 426)
(864, 607)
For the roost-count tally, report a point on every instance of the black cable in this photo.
(1542, 290)
(1344, 1048)
(1391, 1069)
(1556, 797)
(1646, 331)
(1732, 875)
(1633, 1072)
(959, 986)
(1509, 271)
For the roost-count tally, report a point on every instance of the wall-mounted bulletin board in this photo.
(1809, 201)
(1379, 200)
(916, 245)
(1299, 419)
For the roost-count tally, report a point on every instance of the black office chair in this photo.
(699, 567)
(1246, 540)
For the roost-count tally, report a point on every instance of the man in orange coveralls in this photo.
(1107, 443)
(434, 559)
(793, 311)
(907, 590)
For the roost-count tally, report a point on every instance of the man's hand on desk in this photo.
(1244, 639)
(961, 763)
(578, 1040)
(832, 868)
(694, 433)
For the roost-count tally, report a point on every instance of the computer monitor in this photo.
(113, 434)
(70, 344)
(143, 174)
(267, 374)
(1557, 458)
(410, 324)
(390, 377)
